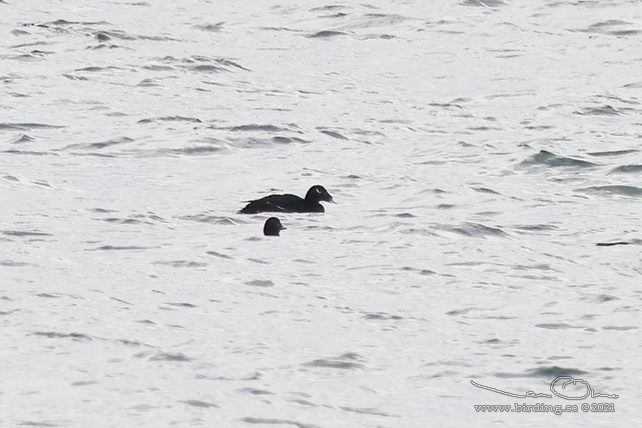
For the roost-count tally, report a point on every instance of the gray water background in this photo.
(477, 151)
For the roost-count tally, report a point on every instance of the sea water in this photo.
(477, 151)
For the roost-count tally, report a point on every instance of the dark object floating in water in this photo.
(290, 203)
(609, 244)
(272, 227)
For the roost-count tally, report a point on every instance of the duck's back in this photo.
(272, 203)
(282, 203)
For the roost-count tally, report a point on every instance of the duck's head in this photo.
(272, 227)
(318, 193)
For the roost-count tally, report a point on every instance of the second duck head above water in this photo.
(290, 203)
(272, 227)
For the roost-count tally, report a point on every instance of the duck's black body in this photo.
(272, 227)
(290, 203)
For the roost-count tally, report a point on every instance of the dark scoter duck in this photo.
(272, 227)
(290, 203)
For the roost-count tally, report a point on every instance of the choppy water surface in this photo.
(478, 153)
